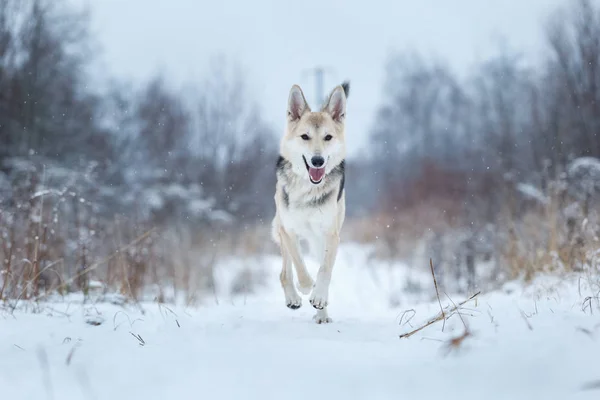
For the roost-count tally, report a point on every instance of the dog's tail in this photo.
(346, 87)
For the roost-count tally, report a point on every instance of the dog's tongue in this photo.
(316, 174)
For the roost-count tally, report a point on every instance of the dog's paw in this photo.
(321, 317)
(305, 285)
(322, 320)
(318, 298)
(293, 301)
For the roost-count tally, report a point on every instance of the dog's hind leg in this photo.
(292, 298)
(290, 243)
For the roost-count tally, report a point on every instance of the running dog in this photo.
(309, 196)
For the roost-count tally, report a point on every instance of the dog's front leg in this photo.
(320, 294)
(305, 282)
(292, 299)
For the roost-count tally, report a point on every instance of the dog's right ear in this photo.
(297, 105)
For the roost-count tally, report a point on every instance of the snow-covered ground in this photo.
(538, 341)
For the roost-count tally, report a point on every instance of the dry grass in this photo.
(527, 237)
(551, 241)
(158, 264)
(396, 234)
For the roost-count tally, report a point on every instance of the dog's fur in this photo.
(307, 210)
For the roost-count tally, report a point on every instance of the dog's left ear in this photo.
(336, 106)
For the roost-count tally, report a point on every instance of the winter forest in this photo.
(150, 194)
(498, 167)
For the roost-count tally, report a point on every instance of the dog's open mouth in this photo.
(315, 174)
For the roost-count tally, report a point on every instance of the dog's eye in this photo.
(328, 138)
(305, 137)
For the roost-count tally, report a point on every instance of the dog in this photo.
(310, 200)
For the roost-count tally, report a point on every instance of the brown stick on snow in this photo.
(441, 316)
(437, 293)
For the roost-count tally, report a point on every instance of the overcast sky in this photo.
(275, 41)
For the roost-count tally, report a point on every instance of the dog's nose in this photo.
(317, 161)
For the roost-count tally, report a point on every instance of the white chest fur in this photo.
(310, 223)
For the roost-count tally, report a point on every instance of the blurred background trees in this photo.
(488, 168)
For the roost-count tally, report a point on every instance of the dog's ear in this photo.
(336, 106)
(297, 105)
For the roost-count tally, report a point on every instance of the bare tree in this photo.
(43, 54)
(575, 62)
(234, 148)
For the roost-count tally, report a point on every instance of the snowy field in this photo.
(537, 341)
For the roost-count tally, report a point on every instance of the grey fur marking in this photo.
(286, 198)
(341, 169)
(318, 202)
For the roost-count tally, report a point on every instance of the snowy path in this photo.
(258, 349)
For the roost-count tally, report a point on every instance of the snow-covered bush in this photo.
(583, 180)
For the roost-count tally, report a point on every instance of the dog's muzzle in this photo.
(315, 174)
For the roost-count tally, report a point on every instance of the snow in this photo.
(535, 341)
(532, 192)
(583, 175)
(586, 163)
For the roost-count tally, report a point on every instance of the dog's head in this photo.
(314, 142)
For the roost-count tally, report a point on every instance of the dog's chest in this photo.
(309, 222)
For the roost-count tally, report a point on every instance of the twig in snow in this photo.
(115, 326)
(587, 303)
(139, 338)
(526, 320)
(437, 293)
(64, 314)
(160, 306)
(586, 331)
(70, 355)
(456, 342)
(441, 316)
(457, 311)
(408, 319)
